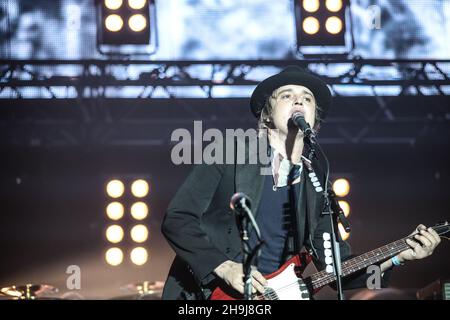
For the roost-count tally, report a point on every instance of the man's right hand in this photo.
(233, 275)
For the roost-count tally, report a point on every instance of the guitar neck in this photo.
(353, 265)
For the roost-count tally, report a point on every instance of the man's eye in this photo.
(308, 99)
(285, 96)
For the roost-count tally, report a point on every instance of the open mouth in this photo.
(300, 111)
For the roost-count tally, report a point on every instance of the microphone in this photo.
(299, 120)
(240, 204)
(240, 201)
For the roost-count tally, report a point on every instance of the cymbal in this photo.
(138, 297)
(28, 292)
(145, 290)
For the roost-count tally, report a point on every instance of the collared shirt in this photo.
(284, 172)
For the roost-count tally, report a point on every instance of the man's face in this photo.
(289, 99)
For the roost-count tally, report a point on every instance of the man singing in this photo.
(287, 205)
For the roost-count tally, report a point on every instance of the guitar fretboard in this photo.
(353, 265)
(385, 252)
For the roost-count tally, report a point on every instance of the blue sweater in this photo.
(274, 218)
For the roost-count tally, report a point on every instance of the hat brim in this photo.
(265, 89)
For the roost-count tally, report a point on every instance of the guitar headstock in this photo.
(442, 229)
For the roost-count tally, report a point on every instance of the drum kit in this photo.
(145, 290)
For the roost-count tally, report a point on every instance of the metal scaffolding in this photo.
(135, 102)
(410, 75)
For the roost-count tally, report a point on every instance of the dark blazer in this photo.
(201, 228)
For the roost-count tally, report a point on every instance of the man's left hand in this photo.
(426, 240)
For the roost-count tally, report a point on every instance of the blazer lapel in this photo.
(315, 200)
(312, 203)
(250, 181)
(249, 177)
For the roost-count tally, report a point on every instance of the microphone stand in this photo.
(248, 255)
(331, 208)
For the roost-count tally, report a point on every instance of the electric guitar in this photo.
(287, 284)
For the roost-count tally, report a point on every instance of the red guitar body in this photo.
(282, 278)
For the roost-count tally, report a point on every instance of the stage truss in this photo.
(136, 102)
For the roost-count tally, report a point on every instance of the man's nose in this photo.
(298, 101)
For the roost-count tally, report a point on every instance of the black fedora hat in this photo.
(291, 75)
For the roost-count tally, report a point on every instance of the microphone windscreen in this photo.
(236, 199)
